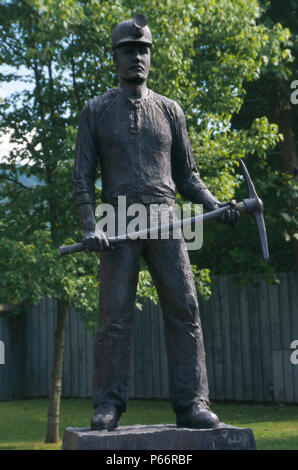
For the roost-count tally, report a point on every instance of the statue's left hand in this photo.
(230, 216)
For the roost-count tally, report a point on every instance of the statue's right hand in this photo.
(95, 241)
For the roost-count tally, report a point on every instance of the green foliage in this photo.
(267, 99)
(146, 289)
(203, 53)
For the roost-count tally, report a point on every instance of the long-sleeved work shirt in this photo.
(142, 147)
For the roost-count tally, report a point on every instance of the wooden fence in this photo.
(247, 335)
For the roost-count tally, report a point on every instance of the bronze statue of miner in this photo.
(141, 143)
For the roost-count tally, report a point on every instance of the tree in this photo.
(210, 48)
(43, 37)
(271, 97)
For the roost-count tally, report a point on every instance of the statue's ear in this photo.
(115, 57)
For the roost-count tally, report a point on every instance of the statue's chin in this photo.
(136, 80)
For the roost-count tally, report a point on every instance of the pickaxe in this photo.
(251, 205)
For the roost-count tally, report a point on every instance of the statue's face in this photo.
(133, 62)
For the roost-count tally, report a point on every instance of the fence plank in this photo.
(247, 366)
(49, 320)
(227, 345)
(66, 387)
(165, 383)
(295, 380)
(256, 344)
(73, 354)
(81, 356)
(284, 311)
(236, 339)
(5, 369)
(278, 377)
(288, 377)
(52, 318)
(35, 326)
(43, 363)
(27, 352)
(293, 304)
(217, 347)
(265, 330)
(274, 317)
(89, 363)
(9, 363)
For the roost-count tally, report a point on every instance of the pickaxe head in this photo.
(254, 205)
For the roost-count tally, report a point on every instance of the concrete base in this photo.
(160, 437)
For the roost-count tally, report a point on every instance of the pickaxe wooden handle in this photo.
(252, 205)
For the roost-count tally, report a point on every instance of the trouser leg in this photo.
(112, 347)
(170, 268)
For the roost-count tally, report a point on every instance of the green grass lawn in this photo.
(23, 423)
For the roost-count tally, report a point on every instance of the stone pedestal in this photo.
(160, 437)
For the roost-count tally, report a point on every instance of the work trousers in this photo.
(170, 269)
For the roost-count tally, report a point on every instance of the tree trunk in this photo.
(56, 377)
(281, 112)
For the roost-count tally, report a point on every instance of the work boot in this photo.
(198, 416)
(105, 417)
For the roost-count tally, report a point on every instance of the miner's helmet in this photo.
(132, 31)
